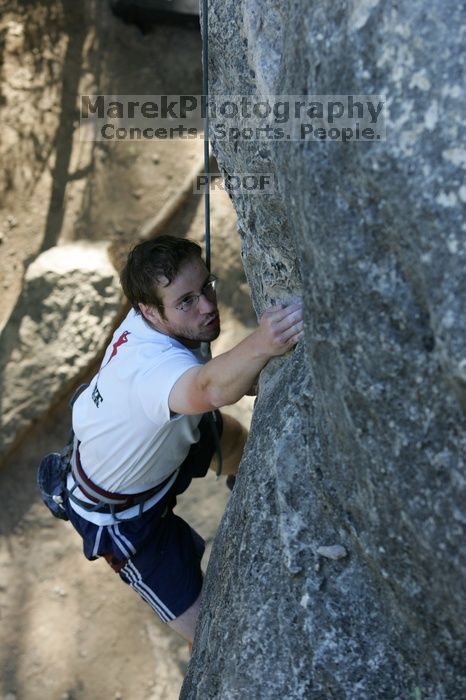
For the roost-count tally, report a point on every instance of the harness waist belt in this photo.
(99, 496)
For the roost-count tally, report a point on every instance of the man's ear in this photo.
(150, 313)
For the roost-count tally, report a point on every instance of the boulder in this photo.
(70, 300)
(357, 447)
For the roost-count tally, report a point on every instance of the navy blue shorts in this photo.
(158, 554)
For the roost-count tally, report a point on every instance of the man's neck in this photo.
(187, 342)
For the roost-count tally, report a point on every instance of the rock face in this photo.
(357, 445)
(70, 298)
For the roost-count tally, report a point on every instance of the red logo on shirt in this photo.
(122, 339)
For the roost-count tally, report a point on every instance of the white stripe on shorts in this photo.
(98, 536)
(122, 542)
(136, 582)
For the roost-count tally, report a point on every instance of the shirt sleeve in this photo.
(156, 383)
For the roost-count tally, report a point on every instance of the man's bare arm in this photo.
(226, 378)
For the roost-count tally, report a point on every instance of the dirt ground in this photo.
(69, 629)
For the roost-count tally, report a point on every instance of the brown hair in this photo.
(151, 260)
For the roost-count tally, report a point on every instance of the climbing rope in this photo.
(205, 90)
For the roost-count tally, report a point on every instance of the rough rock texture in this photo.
(358, 436)
(70, 298)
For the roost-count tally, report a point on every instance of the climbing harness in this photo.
(55, 467)
(52, 476)
(107, 501)
(52, 481)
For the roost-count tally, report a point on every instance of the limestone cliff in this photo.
(358, 435)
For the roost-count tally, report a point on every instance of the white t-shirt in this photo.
(129, 441)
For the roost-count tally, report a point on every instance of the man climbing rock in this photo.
(149, 421)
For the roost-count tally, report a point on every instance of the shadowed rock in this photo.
(62, 319)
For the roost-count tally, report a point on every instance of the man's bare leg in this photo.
(185, 624)
(232, 443)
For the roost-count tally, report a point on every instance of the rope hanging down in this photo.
(205, 90)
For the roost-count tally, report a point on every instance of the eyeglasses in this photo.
(192, 300)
